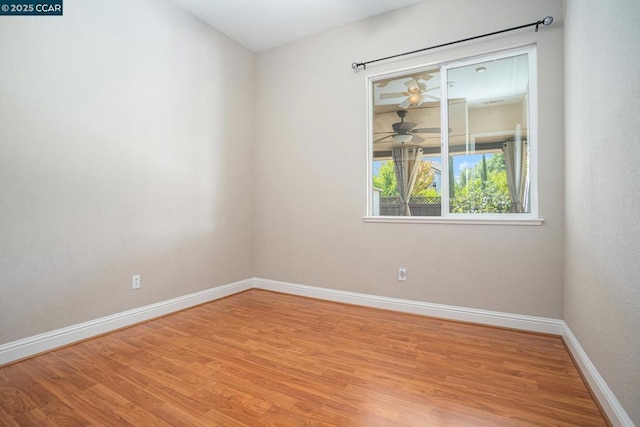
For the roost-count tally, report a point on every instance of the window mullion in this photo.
(444, 142)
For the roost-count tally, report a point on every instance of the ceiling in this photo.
(263, 24)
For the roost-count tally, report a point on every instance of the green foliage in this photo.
(386, 179)
(451, 176)
(424, 181)
(483, 189)
(427, 192)
(495, 163)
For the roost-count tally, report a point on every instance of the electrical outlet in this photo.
(402, 274)
(135, 281)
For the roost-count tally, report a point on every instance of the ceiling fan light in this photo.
(401, 139)
(415, 98)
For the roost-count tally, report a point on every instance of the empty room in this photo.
(332, 213)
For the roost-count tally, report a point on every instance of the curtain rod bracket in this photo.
(548, 20)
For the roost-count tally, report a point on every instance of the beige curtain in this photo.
(406, 161)
(516, 162)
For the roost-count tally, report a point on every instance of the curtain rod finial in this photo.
(548, 20)
(356, 66)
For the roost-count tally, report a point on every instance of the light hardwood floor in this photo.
(263, 358)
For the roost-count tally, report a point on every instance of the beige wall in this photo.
(125, 133)
(602, 271)
(310, 168)
(127, 146)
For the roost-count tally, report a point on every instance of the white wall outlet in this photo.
(402, 274)
(135, 281)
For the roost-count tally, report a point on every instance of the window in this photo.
(483, 167)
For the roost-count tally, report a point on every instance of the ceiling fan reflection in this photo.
(404, 132)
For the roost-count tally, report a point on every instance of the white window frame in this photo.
(531, 218)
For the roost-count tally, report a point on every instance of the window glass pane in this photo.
(406, 145)
(488, 143)
(485, 168)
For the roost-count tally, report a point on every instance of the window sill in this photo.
(450, 220)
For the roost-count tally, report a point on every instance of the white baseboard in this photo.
(472, 315)
(37, 344)
(608, 401)
(41, 343)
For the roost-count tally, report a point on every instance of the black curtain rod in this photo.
(546, 21)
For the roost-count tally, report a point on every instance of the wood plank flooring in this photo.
(262, 358)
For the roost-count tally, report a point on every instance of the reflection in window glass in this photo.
(486, 164)
(407, 172)
(488, 158)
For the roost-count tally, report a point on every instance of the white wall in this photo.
(602, 271)
(311, 168)
(125, 134)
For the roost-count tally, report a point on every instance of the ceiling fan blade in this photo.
(412, 84)
(405, 104)
(382, 139)
(383, 83)
(418, 138)
(403, 128)
(423, 76)
(392, 95)
(426, 130)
